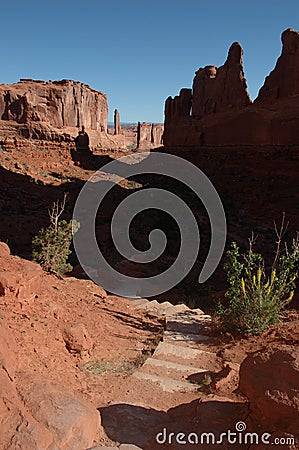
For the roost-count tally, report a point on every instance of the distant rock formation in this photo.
(117, 127)
(60, 104)
(149, 135)
(218, 110)
(44, 109)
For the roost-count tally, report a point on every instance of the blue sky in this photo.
(139, 52)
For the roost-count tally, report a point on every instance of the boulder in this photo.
(269, 378)
(77, 339)
(4, 249)
(72, 422)
(19, 279)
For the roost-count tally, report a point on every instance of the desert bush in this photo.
(51, 246)
(255, 296)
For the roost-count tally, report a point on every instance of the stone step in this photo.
(191, 315)
(181, 307)
(168, 369)
(164, 306)
(183, 327)
(173, 310)
(165, 383)
(187, 323)
(152, 305)
(190, 338)
(138, 302)
(187, 355)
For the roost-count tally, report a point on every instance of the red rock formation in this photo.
(38, 415)
(149, 135)
(72, 422)
(222, 113)
(18, 279)
(269, 378)
(177, 117)
(218, 90)
(283, 81)
(157, 133)
(46, 110)
(60, 104)
(179, 106)
(117, 127)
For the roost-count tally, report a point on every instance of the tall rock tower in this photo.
(117, 127)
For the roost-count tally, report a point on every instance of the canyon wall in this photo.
(218, 110)
(45, 109)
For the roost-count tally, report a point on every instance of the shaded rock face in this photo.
(149, 135)
(179, 106)
(269, 379)
(219, 112)
(283, 81)
(58, 104)
(217, 90)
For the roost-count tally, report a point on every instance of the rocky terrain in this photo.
(77, 372)
(85, 349)
(82, 369)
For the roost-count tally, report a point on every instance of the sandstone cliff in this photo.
(149, 135)
(218, 110)
(220, 89)
(60, 104)
(49, 110)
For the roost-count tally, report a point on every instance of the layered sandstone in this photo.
(149, 135)
(60, 104)
(218, 110)
(52, 110)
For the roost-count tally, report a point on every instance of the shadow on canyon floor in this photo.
(139, 426)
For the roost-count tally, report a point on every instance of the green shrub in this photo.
(256, 298)
(51, 246)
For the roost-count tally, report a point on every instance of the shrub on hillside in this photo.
(51, 246)
(255, 297)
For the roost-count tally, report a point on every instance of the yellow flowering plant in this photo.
(257, 296)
